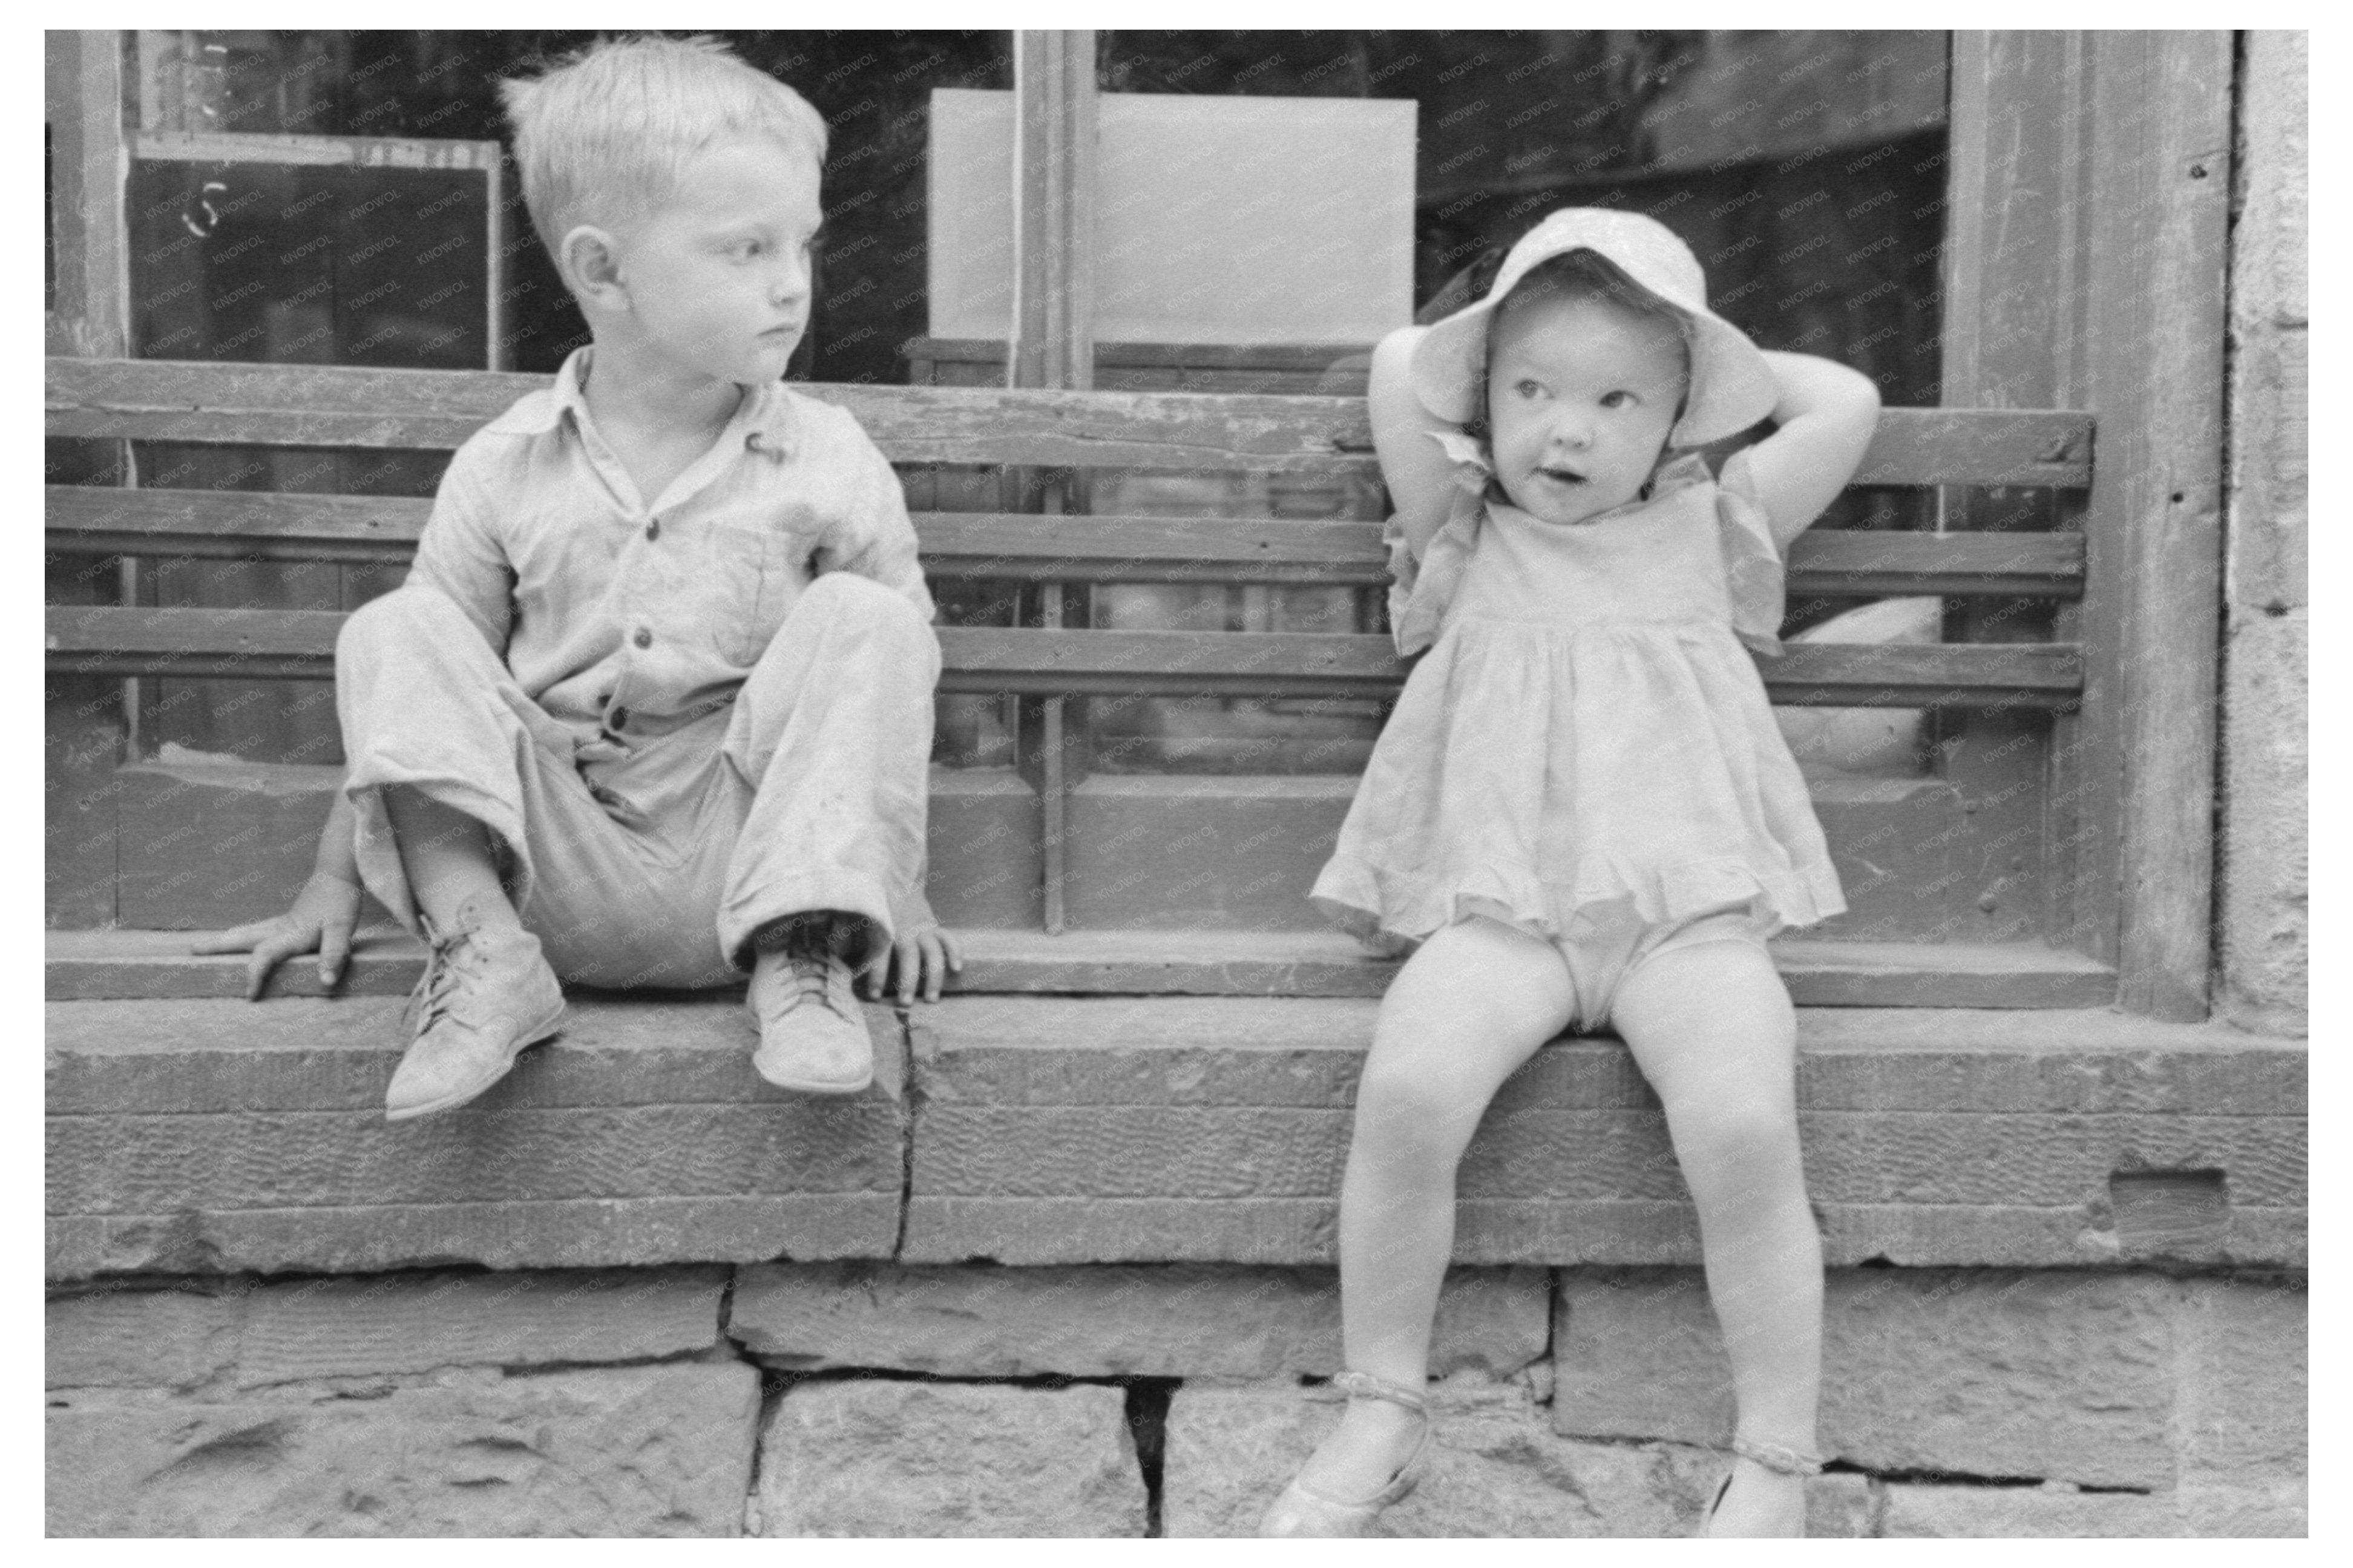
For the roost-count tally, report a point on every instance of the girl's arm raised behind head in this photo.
(1418, 474)
(1826, 417)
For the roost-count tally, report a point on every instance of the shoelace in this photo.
(818, 974)
(429, 1002)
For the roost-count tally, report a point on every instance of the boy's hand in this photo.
(919, 959)
(322, 916)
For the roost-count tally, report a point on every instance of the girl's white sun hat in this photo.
(1732, 388)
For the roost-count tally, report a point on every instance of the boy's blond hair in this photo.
(604, 135)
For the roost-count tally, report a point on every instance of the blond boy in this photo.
(654, 705)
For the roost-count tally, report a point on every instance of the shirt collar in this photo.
(764, 421)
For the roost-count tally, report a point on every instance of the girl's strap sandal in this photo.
(1301, 1510)
(1365, 1385)
(1779, 1459)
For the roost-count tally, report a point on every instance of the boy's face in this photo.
(718, 278)
(1581, 393)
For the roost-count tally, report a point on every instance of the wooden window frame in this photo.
(2088, 176)
(2089, 182)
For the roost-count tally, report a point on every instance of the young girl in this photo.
(1582, 811)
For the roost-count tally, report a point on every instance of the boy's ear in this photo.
(591, 261)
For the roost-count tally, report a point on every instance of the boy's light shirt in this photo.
(600, 602)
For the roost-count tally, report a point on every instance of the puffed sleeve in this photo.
(1421, 591)
(1753, 569)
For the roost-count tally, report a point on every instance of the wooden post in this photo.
(2014, 266)
(1054, 346)
(2158, 211)
(90, 166)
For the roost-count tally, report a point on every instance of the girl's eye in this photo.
(1525, 387)
(743, 249)
(1618, 399)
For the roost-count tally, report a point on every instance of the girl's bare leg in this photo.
(1712, 1028)
(1464, 1013)
(447, 855)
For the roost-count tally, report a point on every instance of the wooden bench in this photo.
(337, 407)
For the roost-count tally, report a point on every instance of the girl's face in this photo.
(1581, 393)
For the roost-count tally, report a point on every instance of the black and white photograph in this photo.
(1142, 783)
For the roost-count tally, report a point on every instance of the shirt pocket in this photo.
(753, 578)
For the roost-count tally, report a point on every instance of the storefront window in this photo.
(1806, 170)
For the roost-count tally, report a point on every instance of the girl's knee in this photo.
(1413, 1109)
(1743, 1141)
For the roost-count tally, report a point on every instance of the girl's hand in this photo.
(918, 961)
(321, 920)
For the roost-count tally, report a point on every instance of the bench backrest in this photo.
(335, 406)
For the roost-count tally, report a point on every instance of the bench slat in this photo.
(1033, 548)
(341, 406)
(300, 644)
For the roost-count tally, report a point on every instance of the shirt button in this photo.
(653, 531)
(616, 720)
(643, 638)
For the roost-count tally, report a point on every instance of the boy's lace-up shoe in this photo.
(813, 1034)
(487, 993)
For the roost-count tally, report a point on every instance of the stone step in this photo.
(217, 1136)
(121, 965)
(1066, 1129)
(220, 1136)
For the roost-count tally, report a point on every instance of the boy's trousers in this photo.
(651, 862)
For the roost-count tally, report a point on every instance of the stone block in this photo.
(1495, 1470)
(872, 1458)
(2264, 1508)
(2269, 515)
(2268, 259)
(2242, 1381)
(1180, 1129)
(402, 1324)
(659, 1450)
(2263, 870)
(1105, 1321)
(217, 1137)
(1914, 1510)
(2044, 1375)
(2276, 1508)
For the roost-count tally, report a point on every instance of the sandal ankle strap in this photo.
(1365, 1385)
(1781, 1460)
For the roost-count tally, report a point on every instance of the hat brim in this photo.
(1732, 387)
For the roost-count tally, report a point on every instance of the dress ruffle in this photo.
(1606, 892)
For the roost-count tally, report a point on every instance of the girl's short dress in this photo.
(1585, 751)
